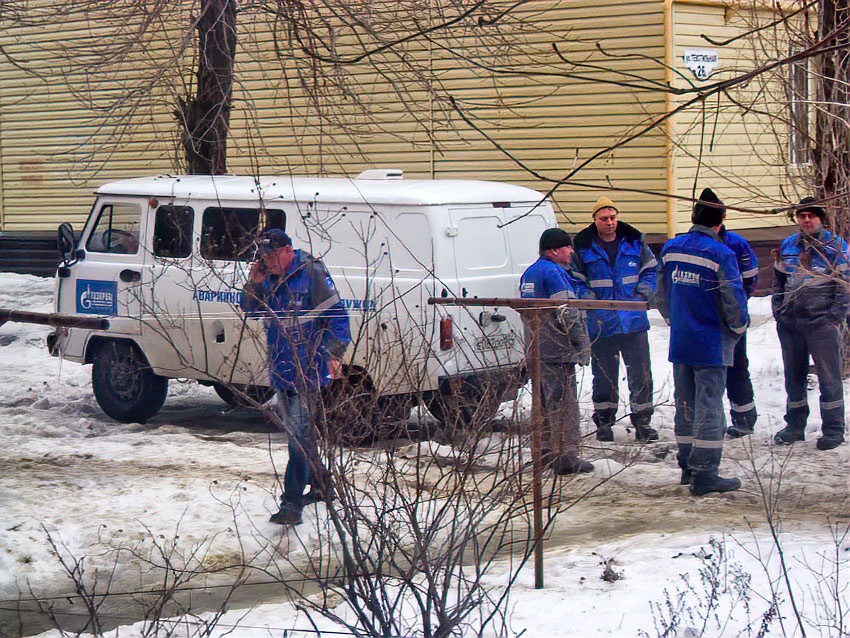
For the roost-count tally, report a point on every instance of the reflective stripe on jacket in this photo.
(701, 296)
(306, 323)
(631, 278)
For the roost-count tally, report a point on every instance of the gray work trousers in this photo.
(559, 395)
(823, 342)
(700, 424)
(605, 363)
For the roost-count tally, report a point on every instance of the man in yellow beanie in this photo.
(612, 261)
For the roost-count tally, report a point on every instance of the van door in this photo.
(484, 269)
(195, 273)
(107, 280)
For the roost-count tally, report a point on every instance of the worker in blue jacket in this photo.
(810, 303)
(612, 261)
(702, 298)
(308, 332)
(563, 343)
(739, 385)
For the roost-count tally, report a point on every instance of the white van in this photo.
(165, 259)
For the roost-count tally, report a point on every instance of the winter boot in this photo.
(645, 434)
(737, 431)
(707, 481)
(830, 440)
(604, 433)
(687, 477)
(570, 464)
(789, 435)
(286, 517)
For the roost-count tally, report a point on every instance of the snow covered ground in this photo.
(198, 481)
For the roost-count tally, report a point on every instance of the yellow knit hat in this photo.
(602, 202)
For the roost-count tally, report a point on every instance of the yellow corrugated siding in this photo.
(736, 154)
(54, 152)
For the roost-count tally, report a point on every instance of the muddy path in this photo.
(101, 488)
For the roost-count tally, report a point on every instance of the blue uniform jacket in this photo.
(748, 263)
(811, 279)
(563, 337)
(701, 296)
(306, 323)
(632, 277)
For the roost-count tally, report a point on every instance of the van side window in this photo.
(275, 219)
(116, 230)
(172, 235)
(229, 233)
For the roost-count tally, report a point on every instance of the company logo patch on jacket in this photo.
(527, 288)
(685, 277)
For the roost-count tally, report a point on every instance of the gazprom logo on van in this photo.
(97, 297)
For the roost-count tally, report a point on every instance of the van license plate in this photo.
(495, 342)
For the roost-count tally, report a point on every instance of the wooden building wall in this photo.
(538, 116)
(737, 144)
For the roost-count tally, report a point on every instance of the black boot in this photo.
(707, 481)
(830, 440)
(687, 477)
(736, 432)
(789, 435)
(286, 517)
(604, 433)
(570, 464)
(645, 434)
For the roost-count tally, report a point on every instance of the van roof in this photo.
(322, 189)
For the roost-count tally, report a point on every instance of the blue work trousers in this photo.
(297, 413)
(700, 424)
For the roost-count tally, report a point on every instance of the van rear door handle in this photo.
(130, 276)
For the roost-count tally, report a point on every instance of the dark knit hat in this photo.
(273, 239)
(809, 205)
(553, 238)
(709, 210)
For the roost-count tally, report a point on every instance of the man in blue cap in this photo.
(307, 331)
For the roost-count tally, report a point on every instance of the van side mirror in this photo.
(66, 241)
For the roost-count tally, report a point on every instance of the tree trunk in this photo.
(832, 135)
(205, 117)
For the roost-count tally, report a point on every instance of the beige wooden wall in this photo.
(740, 152)
(535, 123)
(58, 143)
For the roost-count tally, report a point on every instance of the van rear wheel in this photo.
(124, 385)
(242, 395)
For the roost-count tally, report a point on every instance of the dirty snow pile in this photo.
(197, 483)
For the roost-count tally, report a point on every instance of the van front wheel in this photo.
(124, 384)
